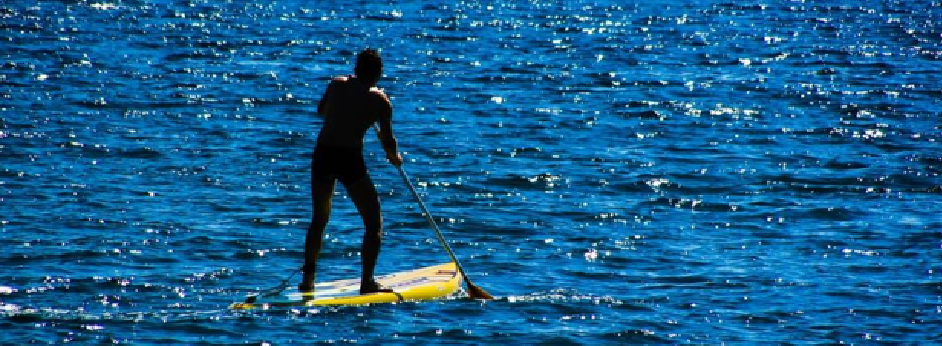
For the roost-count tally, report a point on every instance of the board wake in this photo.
(426, 283)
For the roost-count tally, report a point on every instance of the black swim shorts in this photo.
(331, 163)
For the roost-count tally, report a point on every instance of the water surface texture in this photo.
(615, 171)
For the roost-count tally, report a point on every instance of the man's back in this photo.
(350, 108)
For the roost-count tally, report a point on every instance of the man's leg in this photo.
(322, 193)
(366, 200)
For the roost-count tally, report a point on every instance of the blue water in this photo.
(613, 171)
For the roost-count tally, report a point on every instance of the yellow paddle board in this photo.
(421, 284)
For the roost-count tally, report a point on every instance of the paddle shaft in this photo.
(431, 221)
(428, 217)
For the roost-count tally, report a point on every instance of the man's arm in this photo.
(386, 137)
(324, 104)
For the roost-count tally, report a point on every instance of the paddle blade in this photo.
(478, 293)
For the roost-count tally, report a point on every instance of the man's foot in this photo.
(371, 286)
(307, 283)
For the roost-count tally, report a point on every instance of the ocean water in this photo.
(614, 171)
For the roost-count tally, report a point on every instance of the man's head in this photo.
(369, 66)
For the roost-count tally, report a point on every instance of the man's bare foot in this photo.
(307, 283)
(371, 286)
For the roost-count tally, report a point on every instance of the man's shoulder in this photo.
(380, 100)
(379, 93)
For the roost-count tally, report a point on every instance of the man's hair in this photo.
(369, 65)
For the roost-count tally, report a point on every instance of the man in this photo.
(350, 106)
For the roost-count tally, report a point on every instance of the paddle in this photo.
(473, 290)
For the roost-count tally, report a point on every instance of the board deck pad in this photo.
(426, 283)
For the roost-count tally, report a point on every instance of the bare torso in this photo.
(350, 107)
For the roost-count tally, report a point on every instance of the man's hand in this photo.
(394, 158)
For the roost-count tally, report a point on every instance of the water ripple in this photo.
(659, 172)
